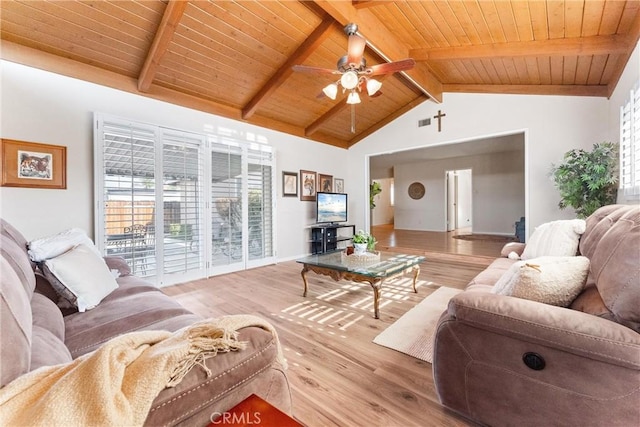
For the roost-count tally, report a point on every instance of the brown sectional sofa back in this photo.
(16, 321)
(611, 240)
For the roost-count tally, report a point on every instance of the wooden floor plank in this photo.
(338, 376)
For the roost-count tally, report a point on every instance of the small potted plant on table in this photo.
(362, 242)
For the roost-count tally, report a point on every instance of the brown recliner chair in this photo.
(500, 360)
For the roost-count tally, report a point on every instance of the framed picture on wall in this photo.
(325, 183)
(33, 165)
(338, 185)
(289, 184)
(307, 185)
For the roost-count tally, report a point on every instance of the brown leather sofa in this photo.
(505, 361)
(35, 333)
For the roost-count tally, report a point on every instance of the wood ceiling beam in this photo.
(566, 90)
(594, 45)
(35, 58)
(170, 20)
(382, 41)
(320, 121)
(315, 39)
(360, 4)
(634, 36)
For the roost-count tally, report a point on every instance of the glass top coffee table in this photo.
(390, 264)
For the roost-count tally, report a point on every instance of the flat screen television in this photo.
(331, 207)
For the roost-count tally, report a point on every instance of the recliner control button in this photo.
(533, 361)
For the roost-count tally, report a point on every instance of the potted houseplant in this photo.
(362, 242)
(587, 180)
(374, 189)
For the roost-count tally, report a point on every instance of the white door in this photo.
(459, 197)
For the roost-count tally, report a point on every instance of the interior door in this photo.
(451, 200)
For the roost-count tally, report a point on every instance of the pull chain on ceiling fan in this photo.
(354, 73)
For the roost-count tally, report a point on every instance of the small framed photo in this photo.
(34, 165)
(325, 183)
(307, 185)
(338, 185)
(289, 184)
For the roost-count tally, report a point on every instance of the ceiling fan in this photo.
(353, 71)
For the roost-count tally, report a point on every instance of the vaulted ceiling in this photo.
(235, 58)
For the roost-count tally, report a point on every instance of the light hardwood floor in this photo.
(338, 376)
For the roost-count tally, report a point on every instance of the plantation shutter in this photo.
(180, 205)
(630, 144)
(125, 168)
(260, 208)
(182, 201)
(226, 202)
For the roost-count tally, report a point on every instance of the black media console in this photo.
(330, 237)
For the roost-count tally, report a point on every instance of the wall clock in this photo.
(416, 191)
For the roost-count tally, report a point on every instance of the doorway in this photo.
(458, 200)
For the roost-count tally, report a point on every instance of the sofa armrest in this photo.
(118, 263)
(516, 247)
(557, 327)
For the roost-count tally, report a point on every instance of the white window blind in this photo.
(630, 145)
(226, 201)
(182, 201)
(127, 173)
(179, 205)
(260, 208)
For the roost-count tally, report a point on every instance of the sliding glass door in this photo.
(180, 206)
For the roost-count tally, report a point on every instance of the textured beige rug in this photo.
(412, 334)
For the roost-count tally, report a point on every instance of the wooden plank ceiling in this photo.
(234, 58)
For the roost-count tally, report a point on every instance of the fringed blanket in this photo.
(117, 383)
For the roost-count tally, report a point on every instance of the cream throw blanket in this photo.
(117, 383)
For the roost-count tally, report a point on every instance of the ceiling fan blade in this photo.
(355, 50)
(391, 67)
(314, 70)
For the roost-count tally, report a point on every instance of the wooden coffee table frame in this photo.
(375, 282)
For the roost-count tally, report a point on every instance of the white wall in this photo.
(552, 126)
(43, 107)
(498, 192)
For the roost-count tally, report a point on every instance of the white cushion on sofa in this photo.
(555, 238)
(84, 274)
(52, 246)
(550, 280)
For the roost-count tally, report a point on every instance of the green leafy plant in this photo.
(587, 179)
(363, 237)
(374, 190)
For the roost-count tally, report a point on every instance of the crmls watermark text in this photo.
(246, 418)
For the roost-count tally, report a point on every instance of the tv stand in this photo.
(330, 237)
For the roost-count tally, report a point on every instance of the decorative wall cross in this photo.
(439, 116)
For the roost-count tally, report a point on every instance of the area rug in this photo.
(413, 333)
(486, 237)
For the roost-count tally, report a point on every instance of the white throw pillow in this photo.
(52, 246)
(550, 280)
(555, 238)
(84, 274)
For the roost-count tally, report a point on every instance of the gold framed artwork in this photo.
(33, 165)
(325, 183)
(289, 184)
(307, 185)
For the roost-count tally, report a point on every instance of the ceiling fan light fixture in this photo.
(349, 80)
(373, 86)
(353, 98)
(331, 90)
